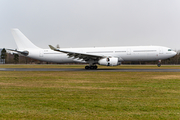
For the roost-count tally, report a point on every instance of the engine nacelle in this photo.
(109, 62)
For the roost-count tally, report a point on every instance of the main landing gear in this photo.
(91, 67)
(159, 63)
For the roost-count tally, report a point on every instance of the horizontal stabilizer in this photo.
(21, 52)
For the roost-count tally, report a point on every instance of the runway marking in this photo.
(99, 70)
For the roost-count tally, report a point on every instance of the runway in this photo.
(98, 70)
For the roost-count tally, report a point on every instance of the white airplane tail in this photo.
(23, 43)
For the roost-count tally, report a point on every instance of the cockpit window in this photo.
(169, 50)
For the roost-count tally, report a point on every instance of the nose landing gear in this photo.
(159, 63)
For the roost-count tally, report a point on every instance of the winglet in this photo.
(53, 48)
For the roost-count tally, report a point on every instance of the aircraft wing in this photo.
(21, 52)
(77, 55)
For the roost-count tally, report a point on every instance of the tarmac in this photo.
(99, 70)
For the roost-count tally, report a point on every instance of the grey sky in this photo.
(88, 23)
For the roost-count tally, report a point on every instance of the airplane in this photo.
(107, 56)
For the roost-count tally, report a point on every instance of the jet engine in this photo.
(109, 62)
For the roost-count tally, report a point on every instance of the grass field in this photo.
(89, 95)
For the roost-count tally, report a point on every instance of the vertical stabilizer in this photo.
(22, 42)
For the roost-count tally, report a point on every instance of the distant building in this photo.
(0, 56)
(1, 61)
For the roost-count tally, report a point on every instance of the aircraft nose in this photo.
(174, 53)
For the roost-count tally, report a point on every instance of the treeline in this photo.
(18, 59)
(8, 58)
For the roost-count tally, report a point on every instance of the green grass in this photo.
(89, 95)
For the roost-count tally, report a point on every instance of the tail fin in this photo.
(22, 42)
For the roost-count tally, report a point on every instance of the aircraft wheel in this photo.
(95, 67)
(159, 64)
(87, 67)
(91, 67)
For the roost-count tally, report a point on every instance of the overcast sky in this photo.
(88, 23)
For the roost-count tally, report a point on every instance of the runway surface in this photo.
(79, 69)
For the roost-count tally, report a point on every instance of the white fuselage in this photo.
(109, 56)
(131, 53)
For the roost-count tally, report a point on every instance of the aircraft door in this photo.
(160, 50)
(128, 51)
(41, 52)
